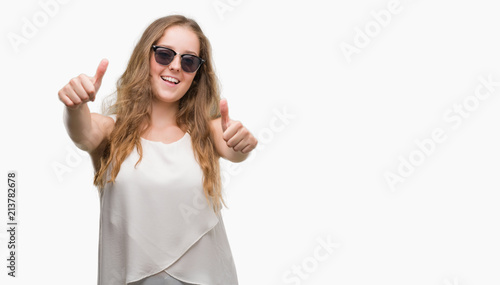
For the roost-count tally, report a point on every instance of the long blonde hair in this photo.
(197, 107)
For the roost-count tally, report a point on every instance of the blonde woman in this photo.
(156, 160)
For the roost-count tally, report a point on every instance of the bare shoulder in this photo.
(104, 124)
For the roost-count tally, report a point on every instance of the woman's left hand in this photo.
(235, 134)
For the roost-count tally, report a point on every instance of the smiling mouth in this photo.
(170, 79)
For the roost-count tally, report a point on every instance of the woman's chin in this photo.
(167, 98)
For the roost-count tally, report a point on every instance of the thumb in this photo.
(101, 69)
(224, 112)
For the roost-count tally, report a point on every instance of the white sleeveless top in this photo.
(155, 217)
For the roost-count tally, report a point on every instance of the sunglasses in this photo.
(189, 63)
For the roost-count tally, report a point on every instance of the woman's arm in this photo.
(86, 130)
(232, 140)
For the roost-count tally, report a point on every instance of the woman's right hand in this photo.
(82, 88)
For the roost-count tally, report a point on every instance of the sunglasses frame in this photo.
(155, 47)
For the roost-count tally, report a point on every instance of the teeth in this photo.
(167, 78)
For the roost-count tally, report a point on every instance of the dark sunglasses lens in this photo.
(164, 56)
(190, 63)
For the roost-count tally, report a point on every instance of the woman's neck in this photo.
(164, 114)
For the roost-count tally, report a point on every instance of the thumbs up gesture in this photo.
(235, 134)
(82, 88)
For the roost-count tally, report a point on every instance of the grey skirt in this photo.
(161, 278)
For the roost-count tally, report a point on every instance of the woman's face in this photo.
(183, 41)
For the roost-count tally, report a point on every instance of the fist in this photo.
(234, 133)
(82, 88)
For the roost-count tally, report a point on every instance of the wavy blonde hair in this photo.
(133, 104)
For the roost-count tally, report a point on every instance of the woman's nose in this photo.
(176, 63)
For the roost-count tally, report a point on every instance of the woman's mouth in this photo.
(169, 79)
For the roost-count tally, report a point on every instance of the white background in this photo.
(319, 174)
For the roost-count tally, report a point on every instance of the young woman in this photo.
(156, 160)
